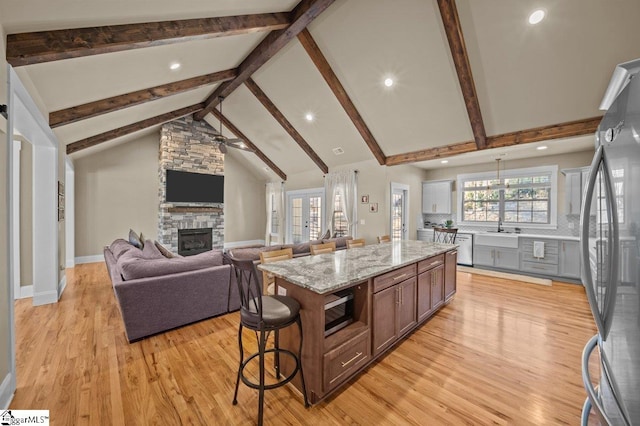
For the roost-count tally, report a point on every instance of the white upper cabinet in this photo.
(575, 181)
(436, 196)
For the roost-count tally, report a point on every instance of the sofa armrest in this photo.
(155, 304)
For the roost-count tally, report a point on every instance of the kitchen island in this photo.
(356, 303)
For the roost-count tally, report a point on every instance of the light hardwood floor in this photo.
(502, 352)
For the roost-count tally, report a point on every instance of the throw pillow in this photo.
(326, 235)
(135, 240)
(165, 251)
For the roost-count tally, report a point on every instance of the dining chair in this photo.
(268, 280)
(323, 248)
(355, 243)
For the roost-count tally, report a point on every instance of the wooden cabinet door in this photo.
(507, 258)
(483, 255)
(425, 281)
(450, 266)
(406, 311)
(384, 318)
(437, 287)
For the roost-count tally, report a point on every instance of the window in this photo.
(522, 197)
(339, 224)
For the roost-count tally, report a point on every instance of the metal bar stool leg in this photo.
(262, 348)
(235, 394)
(276, 344)
(299, 360)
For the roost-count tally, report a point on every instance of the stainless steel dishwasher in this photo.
(465, 251)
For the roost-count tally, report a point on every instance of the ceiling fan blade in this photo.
(233, 141)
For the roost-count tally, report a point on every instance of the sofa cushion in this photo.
(134, 266)
(165, 251)
(150, 251)
(119, 247)
(341, 242)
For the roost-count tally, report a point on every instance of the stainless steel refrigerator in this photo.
(610, 241)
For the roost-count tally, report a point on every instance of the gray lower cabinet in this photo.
(546, 263)
(569, 263)
(497, 257)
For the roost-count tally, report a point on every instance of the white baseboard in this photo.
(90, 259)
(61, 286)
(25, 291)
(70, 263)
(242, 243)
(6, 393)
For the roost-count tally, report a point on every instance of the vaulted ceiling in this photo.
(468, 75)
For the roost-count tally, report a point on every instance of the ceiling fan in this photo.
(223, 141)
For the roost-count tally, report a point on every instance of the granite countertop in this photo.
(539, 236)
(325, 273)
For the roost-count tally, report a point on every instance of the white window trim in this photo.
(553, 208)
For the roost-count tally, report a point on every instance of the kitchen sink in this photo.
(500, 232)
(495, 239)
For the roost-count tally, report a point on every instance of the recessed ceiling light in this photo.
(444, 161)
(541, 148)
(174, 66)
(388, 82)
(309, 116)
(536, 17)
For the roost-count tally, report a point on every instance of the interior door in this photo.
(399, 211)
(305, 215)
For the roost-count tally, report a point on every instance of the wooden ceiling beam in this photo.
(544, 133)
(131, 128)
(453, 29)
(45, 46)
(261, 155)
(537, 134)
(115, 103)
(340, 93)
(431, 153)
(301, 16)
(286, 125)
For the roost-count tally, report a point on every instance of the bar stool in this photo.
(384, 239)
(268, 280)
(264, 314)
(323, 248)
(445, 235)
(355, 243)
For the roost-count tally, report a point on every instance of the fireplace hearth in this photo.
(194, 241)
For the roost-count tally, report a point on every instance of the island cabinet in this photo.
(389, 290)
(394, 306)
(430, 286)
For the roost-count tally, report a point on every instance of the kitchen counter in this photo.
(537, 236)
(325, 273)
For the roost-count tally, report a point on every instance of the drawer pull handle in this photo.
(437, 262)
(399, 277)
(357, 355)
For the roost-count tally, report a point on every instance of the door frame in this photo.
(405, 211)
(308, 192)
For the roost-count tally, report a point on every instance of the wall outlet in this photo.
(570, 225)
(361, 221)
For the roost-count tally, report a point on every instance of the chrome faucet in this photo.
(500, 228)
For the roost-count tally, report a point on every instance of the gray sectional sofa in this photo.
(300, 249)
(156, 293)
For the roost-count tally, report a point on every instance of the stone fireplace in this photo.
(188, 145)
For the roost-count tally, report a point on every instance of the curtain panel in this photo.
(275, 212)
(345, 184)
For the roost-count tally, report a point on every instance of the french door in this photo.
(305, 215)
(399, 211)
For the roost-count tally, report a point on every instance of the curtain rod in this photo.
(355, 171)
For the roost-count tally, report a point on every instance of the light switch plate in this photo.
(282, 291)
(361, 221)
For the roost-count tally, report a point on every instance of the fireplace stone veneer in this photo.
(189, 146)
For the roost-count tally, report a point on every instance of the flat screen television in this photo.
(187, 187)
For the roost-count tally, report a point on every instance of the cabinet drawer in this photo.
(549, 258)
(432, 262)
(550, 246)
(540, 268)
(394, 277)
(346, 359)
